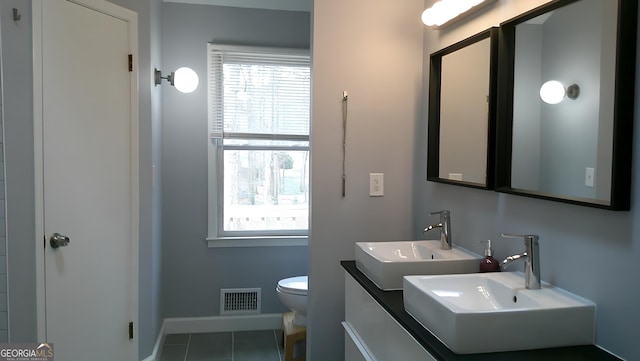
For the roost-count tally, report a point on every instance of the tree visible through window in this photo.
(259, 109)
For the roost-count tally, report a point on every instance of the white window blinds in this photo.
(258, 92)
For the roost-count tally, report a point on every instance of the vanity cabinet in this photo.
(371, 334)
(377, 328)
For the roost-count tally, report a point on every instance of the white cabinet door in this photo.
(372, 334)
(402, 346)
(354, 349)
(366, 318)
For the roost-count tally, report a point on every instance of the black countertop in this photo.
(393, 303)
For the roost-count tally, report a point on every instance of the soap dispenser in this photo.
(488, 263)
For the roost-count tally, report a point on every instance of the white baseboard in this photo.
(269, 321)
(155, 355)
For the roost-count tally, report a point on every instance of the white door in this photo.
(89, 176)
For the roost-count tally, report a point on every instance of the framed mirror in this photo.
(462, 112)
(567, 83)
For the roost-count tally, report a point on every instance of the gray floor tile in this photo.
(265, 345)
(173, 352)
(177, 339)
(248, 353)
(256, 354)
(262, 337)
(210, 346)
(255, 346)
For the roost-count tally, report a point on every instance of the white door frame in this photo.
(132, 19)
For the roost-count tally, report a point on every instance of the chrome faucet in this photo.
(445, 229)
(531, 257)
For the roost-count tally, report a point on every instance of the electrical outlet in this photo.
(589, 176)
(376, 184)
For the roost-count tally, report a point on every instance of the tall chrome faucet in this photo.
(531, 257)
(445, 229)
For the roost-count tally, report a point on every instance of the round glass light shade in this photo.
(185, 80)
(552, 92)
(429, 18)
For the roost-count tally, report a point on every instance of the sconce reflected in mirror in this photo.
(572, 154)
(184, 79)
(553, 92)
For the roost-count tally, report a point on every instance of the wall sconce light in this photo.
(553, 92)
(184, 79)
(445, 11)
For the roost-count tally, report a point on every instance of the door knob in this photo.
(58, 240)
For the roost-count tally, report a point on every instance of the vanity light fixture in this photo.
(184, 79)
(444, 11)
(553, 92)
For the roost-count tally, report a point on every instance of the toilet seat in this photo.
(294, 285)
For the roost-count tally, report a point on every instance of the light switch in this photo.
(589, 176)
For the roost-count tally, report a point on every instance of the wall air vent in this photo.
(240, 301)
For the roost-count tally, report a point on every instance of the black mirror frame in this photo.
(623, 116)
(435, 73)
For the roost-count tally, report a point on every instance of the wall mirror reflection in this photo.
(567, 92)
(462, 112)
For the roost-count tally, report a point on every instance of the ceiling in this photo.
(293, 5)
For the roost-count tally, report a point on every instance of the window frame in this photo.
(217, 237)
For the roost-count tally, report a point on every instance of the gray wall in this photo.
(372, 49)
(526, 114)
(591, 252)
(192, 273)
(19, 166)
(150, 279)
(4, 321)
(18, 129)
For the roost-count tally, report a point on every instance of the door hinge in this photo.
(44, 241)
(130, 330)
(130, 62)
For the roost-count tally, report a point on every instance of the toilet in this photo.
(293, 294)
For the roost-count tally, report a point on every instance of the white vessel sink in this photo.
(385, 263)
(492, 312)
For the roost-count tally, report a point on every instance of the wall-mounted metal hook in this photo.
(16, 15)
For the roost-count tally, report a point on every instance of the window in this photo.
(259, 110)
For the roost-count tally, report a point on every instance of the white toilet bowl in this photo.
(293, 294)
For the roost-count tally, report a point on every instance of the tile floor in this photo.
(265, 345)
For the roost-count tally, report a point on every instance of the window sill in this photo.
(275, 241)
